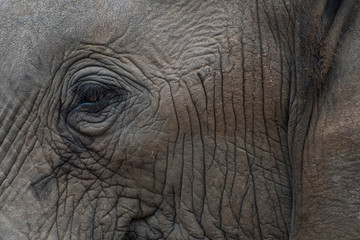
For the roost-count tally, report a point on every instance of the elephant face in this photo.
(159, 119)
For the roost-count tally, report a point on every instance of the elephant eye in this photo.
(93, 97)
(92, 94)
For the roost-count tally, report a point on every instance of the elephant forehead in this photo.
(49, 23)
(66, 20)
(163, 34)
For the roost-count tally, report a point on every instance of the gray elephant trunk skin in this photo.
(179, 119)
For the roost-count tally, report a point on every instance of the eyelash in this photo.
(92, 94)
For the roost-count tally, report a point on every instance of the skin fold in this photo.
(179, 119)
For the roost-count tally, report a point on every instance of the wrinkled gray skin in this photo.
(179, 119)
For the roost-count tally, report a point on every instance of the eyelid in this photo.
(89, 83)
(94, 73)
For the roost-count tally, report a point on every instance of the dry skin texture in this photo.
(183, 119)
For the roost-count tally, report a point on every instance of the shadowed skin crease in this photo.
(162, 119)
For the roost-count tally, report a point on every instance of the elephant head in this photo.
(178, 119)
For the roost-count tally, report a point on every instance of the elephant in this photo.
(162, 119)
